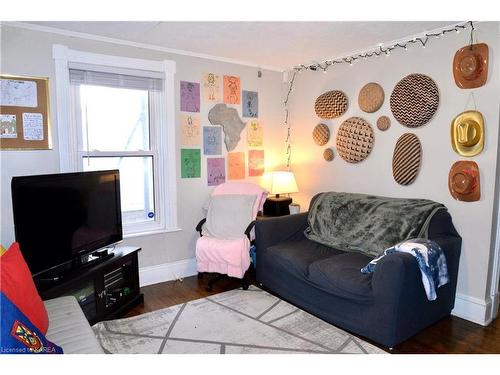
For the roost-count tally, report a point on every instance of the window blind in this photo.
(117, 80)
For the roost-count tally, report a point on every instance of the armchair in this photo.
(226, 234)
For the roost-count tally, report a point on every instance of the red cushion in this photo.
(17, 284)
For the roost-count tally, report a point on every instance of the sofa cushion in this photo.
(17, 284)
(18, 335)
(69, 327)
(341, 275)
(296, 256)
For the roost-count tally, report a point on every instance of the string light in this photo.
(423, 40)
(286, 123)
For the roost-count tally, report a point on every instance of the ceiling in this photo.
(275, 45)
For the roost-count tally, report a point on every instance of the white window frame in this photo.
(162, 136)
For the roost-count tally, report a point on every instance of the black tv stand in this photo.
(105, 288)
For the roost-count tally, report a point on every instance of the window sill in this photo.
(150, 232)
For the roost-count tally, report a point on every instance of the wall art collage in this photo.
(216, 137)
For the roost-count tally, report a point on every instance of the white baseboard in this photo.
(167, 271)
(474, 309)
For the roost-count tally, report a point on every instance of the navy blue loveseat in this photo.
(388, 306)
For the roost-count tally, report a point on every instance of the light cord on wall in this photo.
(423, 40)
(287, 123)
(353, 58)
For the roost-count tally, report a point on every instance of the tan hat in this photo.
(463, 181)
(467, 133)
(470, 66)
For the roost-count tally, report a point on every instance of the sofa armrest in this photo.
(271, 231)
(399, 273)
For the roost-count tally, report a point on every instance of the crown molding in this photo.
(154, 47)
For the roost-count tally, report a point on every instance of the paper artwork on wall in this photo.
(232, 90)
(250, 104)
(190, 96)
(190, 130)
(216, 171)
(8, 126)
(254, 133)
(190, 163)
(255, 162)
(212, 140)
(32, 126)
(212, 88)
(236, 165)
(231, 123)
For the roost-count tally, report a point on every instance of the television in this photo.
(60, 218)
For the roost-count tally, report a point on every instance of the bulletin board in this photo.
(24, 113)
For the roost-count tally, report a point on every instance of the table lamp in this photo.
(279, 183)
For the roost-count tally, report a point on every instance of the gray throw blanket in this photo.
(367, 223)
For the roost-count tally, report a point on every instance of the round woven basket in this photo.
(406, 159)
(371, 97)
(331, 104)
(328, 154)
(414, 100)
(321, 134)
(354, 140)
(383, 123)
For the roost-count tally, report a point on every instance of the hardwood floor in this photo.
(450, 335)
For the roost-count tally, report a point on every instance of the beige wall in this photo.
(26, 52)
(374, 175)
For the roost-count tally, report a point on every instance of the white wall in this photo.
(374, 175)
(26, 52)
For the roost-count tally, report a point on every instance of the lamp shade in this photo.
(282, 183)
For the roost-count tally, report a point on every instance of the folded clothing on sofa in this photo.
(430, 259)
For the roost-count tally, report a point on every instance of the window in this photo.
(119, 119)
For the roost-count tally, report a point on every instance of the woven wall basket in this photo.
(414, 100)
(406, 159)
(321, 134)
(331, 104)
(371, 97)
(328, 154)
(383, 123)
(354, 139)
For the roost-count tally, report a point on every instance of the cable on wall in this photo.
(351, 59)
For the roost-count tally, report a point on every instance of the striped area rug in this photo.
(234, 322)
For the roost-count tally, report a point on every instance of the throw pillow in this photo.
(229, 215)
(19, 335)
(17, 284)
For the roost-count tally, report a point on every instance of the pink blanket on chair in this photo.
(230, 257)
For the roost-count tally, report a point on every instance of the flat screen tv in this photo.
(58, 218)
